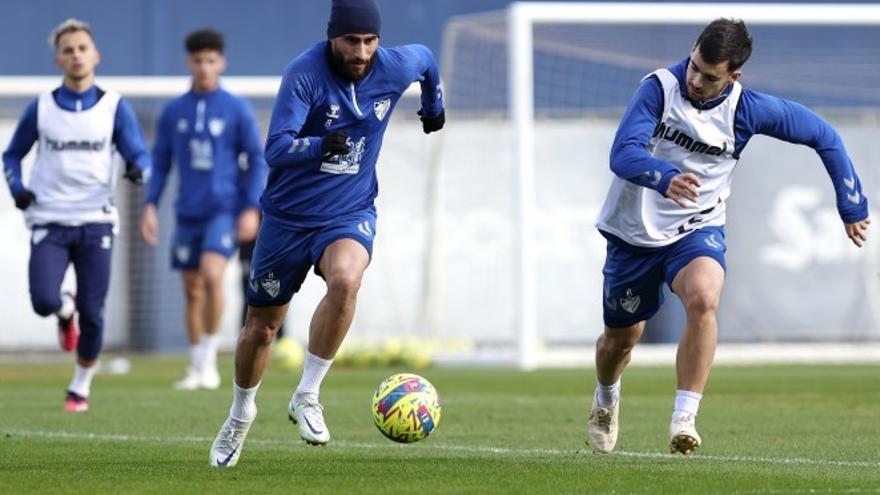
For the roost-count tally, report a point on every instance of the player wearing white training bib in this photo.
(673, 158)
(698, 141)
(68, 199)
(73, 174)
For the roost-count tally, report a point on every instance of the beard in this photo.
(353, 69)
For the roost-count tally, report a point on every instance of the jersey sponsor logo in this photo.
(38, 235)
(679, 138)
(216, 126)
(201, 154)
(349, 163)
(630, 303)
(271, 285)
(71, 145)
(380, 108)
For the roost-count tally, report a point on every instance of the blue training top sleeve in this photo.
(128, 137)
(250, 143)
(422, 67)
(630, 159)
(284, 147)
(162, 156)
(792, 122)
(22, 141)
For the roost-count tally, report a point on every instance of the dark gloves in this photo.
(335, 143)
(133, 173)
(24, 199)
(432, 124)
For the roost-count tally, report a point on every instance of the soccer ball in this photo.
(406, 408)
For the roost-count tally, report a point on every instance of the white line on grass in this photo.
(443, 447)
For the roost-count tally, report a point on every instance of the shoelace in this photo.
(233, 435)
(603, 417)
(314, 411)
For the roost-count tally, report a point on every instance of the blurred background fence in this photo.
(445, 268)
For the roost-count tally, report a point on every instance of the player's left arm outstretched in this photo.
(792, 122)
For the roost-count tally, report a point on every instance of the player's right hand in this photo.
(335, 143)
(24, 199)
(150, 225)
(684, 189)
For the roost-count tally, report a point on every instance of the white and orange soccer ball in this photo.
(406, 408)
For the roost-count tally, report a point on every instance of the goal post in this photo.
(522, 17)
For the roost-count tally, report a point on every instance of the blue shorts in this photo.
(193, 238)
(634, 276)
(283, 255)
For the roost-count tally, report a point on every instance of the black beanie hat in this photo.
(354, 16)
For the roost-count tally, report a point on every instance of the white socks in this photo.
(209, 345)
(81, 384)
(243, 406)
(314, 371)
(68, 306)
(607, 395)
(686, 403)
(204, 354)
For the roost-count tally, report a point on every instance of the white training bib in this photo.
(694, 140)
(74, 174)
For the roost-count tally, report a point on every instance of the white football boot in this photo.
(230, 440)
(603, 426)
(308, 415)
(683, 436)
(191, 381)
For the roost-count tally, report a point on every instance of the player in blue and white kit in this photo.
(205, 131)
(68, 199)
(326, 131)
(663, 217)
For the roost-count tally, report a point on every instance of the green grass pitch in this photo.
(766, 430)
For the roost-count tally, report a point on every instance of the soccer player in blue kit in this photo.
(326, 130)
(68, 200)
(205, 131)
(663, 218)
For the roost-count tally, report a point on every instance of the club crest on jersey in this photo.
(182, 126)
(630, 303)
(380, 108)
(216, 126)
(271, 285)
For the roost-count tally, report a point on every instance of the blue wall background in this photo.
(144, 37)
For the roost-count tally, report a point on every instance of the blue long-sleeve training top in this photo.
(305, 189)
(205, 134)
